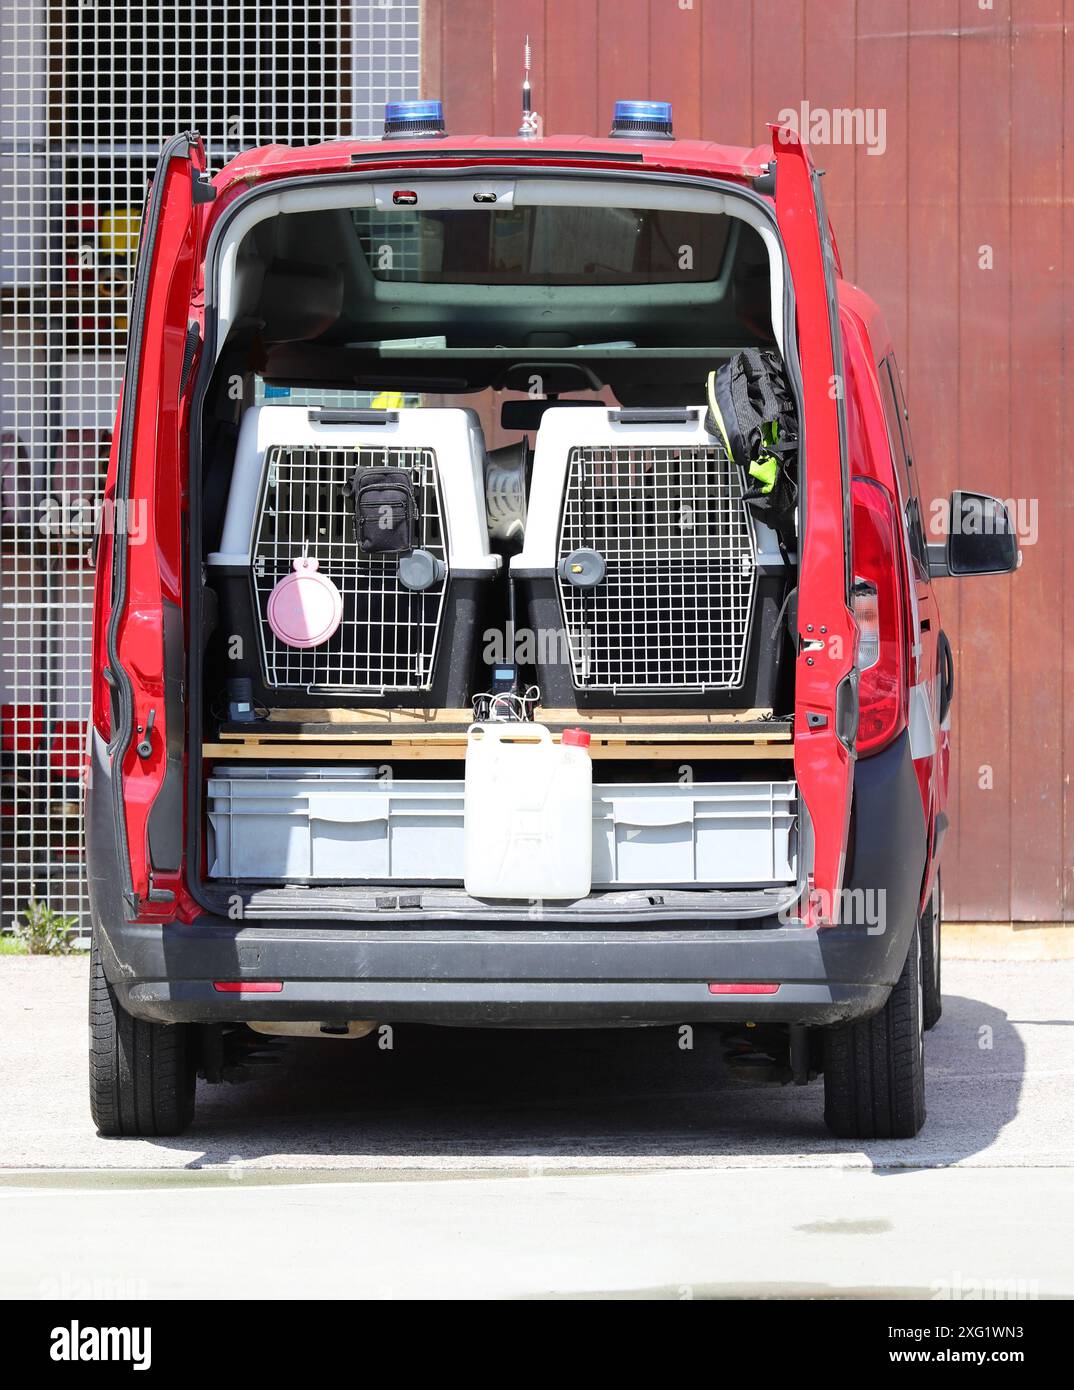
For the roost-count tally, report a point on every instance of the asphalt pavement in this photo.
(546, 1163)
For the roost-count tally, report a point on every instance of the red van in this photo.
(276, 803)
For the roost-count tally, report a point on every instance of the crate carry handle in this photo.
(354, 417)
(347, 810)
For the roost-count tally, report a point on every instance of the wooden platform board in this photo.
(315, 719)
(399, 750)
(353, 735)
(390, 725)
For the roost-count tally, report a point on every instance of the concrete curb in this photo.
(1008, 940)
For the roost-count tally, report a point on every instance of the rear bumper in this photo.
(500, 977)
(532, 975)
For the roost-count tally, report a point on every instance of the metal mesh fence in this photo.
(89, 91)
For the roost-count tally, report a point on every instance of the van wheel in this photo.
(930, 957)
(141, 1074)
(874, 1068)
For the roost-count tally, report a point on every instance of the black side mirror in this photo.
(981, 538)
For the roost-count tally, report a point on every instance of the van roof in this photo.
(675, 156)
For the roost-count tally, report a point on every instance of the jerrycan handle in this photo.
(509, 731)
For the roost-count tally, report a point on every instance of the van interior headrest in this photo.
(299, 300)
(526, 415)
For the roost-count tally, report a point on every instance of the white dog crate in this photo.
(642, 555)
(329, 825)
(406, 620)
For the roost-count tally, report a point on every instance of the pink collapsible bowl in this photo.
(305, 608)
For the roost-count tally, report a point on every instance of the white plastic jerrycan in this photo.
(529, 812)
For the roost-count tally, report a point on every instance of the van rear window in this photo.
(543, 245)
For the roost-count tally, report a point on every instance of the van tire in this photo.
(142, 1075)
(931, 920)
(874, 1068)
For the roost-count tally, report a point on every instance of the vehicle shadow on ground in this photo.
(459, 1097)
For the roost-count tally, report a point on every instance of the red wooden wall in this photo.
(963, 230)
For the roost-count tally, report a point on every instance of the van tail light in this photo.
(866, 609)
(878, 603)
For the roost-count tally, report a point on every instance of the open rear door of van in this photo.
(142, 638)
(825, 683)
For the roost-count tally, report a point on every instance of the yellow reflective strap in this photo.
(765, 469)
(716, 415)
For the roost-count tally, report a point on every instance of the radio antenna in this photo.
(530, 120)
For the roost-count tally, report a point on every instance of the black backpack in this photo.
(752, 410)
(385, 510)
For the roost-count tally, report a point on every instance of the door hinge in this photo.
(766, 183)
(145, 744)
(190, 351)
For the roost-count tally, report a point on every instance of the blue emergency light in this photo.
(643, 120)
(416, 119)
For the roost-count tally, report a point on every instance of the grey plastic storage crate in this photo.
(305, 825)
(698, 834)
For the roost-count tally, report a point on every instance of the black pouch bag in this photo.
(752, 410)
(385, 510)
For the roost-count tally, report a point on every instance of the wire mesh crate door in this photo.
(388, 637)
(673, 610)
